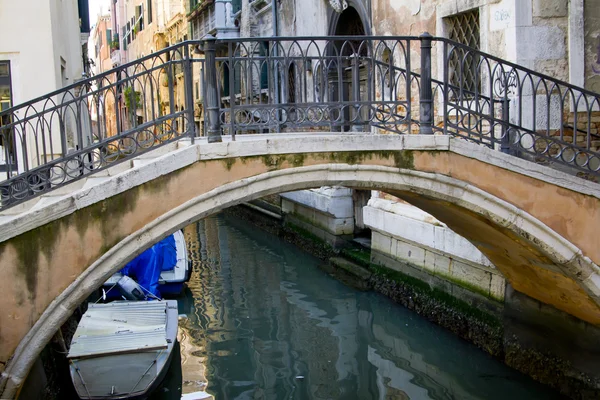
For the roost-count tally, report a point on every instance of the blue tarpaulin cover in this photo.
(146, 267)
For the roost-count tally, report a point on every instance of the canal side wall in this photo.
(401, 232)
(448, 281)
(327, 212)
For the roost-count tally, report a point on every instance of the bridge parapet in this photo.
(249, 85)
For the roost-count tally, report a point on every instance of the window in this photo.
(125, 37)
(237, 81)
(236, 5)
(108, 37)
(149, 8)
(7, 148)
(464, 28)
(139, 18)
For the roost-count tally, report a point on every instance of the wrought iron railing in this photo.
(98, 122)
(345, 84)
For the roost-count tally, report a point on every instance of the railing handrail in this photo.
(102, 75)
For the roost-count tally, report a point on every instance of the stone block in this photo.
(410, 253)
(381, 243)
(540, 43)
(497, 287)
(550, 8)
(471, 276)
(429, 263)
(443, 264)
(337, 202)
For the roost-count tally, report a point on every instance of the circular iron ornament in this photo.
(19, 189)
(73, 168)
(555, 150)
(568, 155)
(145, 139)
(279, 115)
(514, 136)
(4, 193)
(594, 163)
(111, 152)
(527, 141)
(265, 116)
(581, 159)
(38, 181)
(94, 159)
(128, 146)
(315, 114)
(540, 146)
(242, 117)
(56, 175)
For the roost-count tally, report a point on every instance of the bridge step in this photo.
(142, 161)
(96, 179)
(160, 151)
(47, 200)
(114, 170)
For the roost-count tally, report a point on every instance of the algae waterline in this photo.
(266, 322)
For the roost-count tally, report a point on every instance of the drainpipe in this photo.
(275, 54)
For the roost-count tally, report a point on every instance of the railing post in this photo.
(212, 91)
(189, 92)
(505, 142)
(356, 90)
(426, 95)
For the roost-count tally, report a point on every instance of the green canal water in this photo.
(264, 322)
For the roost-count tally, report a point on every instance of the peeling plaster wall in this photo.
(532, 33)
(591, 15)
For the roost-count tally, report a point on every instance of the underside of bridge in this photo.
(507, 208)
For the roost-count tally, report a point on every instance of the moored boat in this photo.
(173, 275)
(122, 350)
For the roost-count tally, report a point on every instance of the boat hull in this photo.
(132, 374)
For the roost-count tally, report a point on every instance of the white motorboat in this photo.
(122, 350)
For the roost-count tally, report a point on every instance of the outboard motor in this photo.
(130, 289)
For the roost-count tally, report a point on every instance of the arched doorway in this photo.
(349, 24)
(348, 84)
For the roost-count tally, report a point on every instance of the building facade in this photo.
(103, 44)
(39, 56)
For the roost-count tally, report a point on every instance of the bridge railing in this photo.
(346, 84)
(97, 122)
(519, 111)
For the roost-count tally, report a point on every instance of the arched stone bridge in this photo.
(537, 225)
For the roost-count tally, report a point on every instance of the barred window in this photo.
(464, 28)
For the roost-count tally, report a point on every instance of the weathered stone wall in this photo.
(326, 212)
(531, 33)
(403, 233)
(591, 28)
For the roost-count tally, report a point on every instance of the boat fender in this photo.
(130, 289)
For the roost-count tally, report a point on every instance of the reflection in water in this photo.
(268, 324)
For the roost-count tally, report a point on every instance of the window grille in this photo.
(464, 28)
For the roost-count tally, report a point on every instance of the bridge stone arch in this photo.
(543, 258)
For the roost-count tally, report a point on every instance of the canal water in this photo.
(264, 322)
